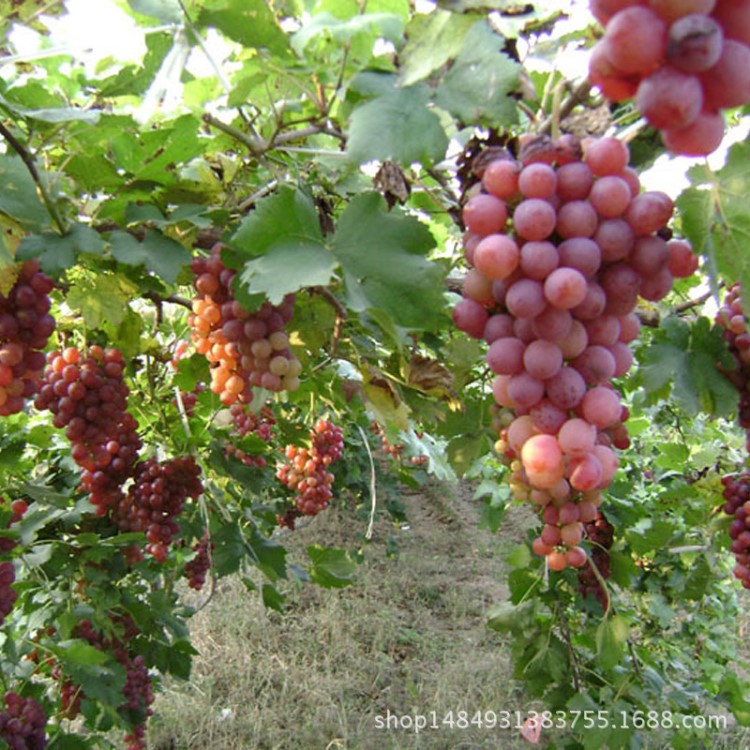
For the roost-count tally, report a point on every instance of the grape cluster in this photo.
(683, 60)
(246, 422)
(553, 293)
(25, 327)
(600, 534)
(138, 691)
(307, 471)
(244, 349)
(732, 319)
(155, 499)
(737, 504)
(394, 450)
(22, 723)
(199, 566)
(88, 397)
(8, 594)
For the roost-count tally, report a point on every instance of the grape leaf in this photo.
(611, 636)
(331, 568)
(19, 198)
(7, 268)
(398, 126)
(432, 40)
(686, 357)
(166, 11)
(249, 22)
(58, 253)
(163, 256)
(477, 88)
(385, 25)
(102, 298)
(383, 256)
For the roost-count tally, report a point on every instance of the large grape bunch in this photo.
(22, 723)
(87, 395)
(684, 61)
(307, 470)
(731, 318)
(244, 349)
(559, 254)
(25, 327)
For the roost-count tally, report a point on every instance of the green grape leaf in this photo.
(385, 264)
(331, 568)
(7, 268)
(102, 298)
(398, 126)
(58, 253)
(477, 88)
(166, 11)
(163, 256)
(686, 357)
(249, 22)
(385, 25)
(285, 243)
(19, 198)
(432, 40)
(611, 636)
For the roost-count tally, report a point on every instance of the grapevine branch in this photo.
(576, 96)
(28, 159)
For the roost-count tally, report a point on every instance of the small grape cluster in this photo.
(88, 397)
(683, 60)
(732, 319)
(600, 534)
(554, 296)
(244, 349)
(25, 327)
(22, 723)
(394, 450)
(155, 499)
(246, 422)
(307, 471)
(737, 504)
(138, 690)
(8, 594)
(197, 569)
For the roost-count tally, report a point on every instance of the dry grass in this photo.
(409, 638)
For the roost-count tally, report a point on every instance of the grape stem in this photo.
(28, 159)
(565, 629)
(578, 95)
(373, 486)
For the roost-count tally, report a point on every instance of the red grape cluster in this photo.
(732, 319)
(155, 499)
(394, 450)
(22, 723)
(88, 396)
(138, 691)
(554, 294)
(244, 349)
(737, 504)
(307, 471)
(199, 566)
(246, 422)
(683, 61)
(25, 327)
(8, 594)
(600, 534)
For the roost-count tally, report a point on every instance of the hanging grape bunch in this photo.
(244, 349)
(560, 248)
(684, 61)
(307, 470)
(25, 327)
(732, 319)
(8, 594)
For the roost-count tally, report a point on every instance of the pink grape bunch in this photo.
(684, 61)
(600, 535)
(560, 253)
(25, 327)
(244, 349)
(87, 395)
(731, 318)
(247, 422)
(138, 694)
(155, 501)
(307, 470)
(22, 723)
